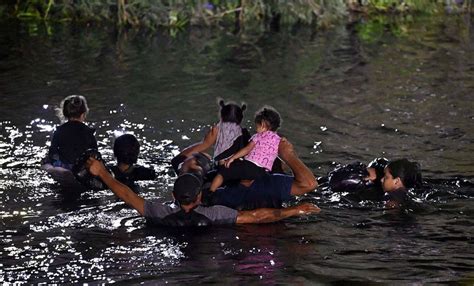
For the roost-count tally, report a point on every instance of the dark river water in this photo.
(396, 89)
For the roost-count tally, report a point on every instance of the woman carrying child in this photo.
(259, 154)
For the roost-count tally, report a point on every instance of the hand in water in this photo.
(308, 208)
(94, 166)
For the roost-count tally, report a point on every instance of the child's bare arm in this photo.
(241, 153)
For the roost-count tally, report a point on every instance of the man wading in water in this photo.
(187, 210)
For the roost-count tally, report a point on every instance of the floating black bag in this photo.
(349, 178)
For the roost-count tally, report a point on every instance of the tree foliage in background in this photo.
(244, 14)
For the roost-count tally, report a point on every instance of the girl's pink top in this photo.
(265, 150)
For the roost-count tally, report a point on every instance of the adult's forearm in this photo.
(266, 215)
(195, 148)
(123, 192)
(304, 179)
(209, 140)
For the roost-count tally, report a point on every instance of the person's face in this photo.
(260, 127)
(389, 183)
(372, 175)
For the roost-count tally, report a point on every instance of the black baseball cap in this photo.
(187, 187)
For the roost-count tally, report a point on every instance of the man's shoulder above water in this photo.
(172, 214)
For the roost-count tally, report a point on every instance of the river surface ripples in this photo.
(347, 94)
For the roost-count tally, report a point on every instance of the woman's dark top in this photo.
(70, 140)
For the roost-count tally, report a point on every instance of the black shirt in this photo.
(70, 140)
(132, 174)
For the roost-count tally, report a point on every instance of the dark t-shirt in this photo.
(133, 174)
(269, 191)
(173, 215)
(70, 140)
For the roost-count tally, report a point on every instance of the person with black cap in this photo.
(187, 209)
(269, 191)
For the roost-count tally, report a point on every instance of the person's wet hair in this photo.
(270, 116)
(72, 106)
(408, 172)
(126, 149)
(231, 112)
(378, 164)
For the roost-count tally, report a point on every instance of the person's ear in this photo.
(398, 182)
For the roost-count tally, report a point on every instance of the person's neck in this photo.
(400, 189)
(76, 120)
(189, 207)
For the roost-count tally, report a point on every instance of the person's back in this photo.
(72, 138)
(231, 137)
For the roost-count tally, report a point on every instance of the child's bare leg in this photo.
(216, 183)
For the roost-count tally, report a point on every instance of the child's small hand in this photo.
(228, 162)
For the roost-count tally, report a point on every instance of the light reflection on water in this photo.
(341, 100)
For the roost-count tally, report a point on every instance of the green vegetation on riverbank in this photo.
(255, 15)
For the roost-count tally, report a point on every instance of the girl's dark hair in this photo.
(270, 116)
(126, 149)
(231, 112)
(73, 106)
(408, 172)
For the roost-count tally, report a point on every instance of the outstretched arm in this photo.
(96, 168)
(272, 215)
(209, 140)
(304, 181)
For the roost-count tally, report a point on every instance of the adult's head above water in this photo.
(401, 174)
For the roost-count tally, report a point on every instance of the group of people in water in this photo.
(243, 182)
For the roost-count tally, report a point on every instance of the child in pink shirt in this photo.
(260, 152)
